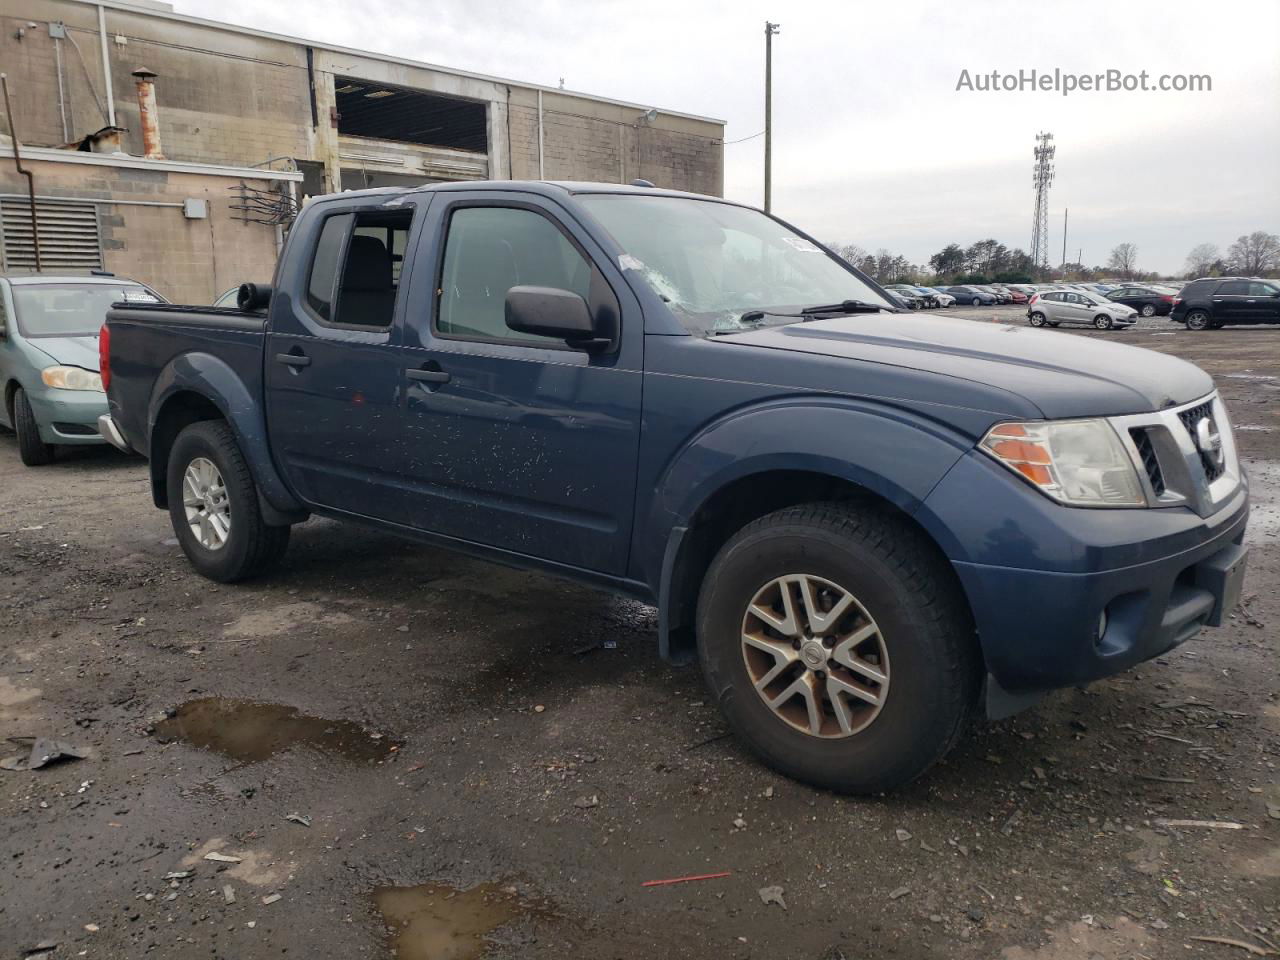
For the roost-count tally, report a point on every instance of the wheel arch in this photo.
(195, 387)
(900, 459)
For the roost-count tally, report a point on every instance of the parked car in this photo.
(554, 389)
(943, 298)
(972, 296)
(1213, 302)
(1015, 296)
(1002, 296)
(912, 297)
(906, 301)
(1147, 301)
(49, 357)
(1075, 306)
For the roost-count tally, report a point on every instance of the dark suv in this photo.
(1212, 302)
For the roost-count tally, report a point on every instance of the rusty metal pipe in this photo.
(148, 115)
(17, 163)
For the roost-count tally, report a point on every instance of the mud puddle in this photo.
(437, 922)
(248, 731)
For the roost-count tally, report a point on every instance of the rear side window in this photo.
(1261, 290)
(1234, 288)
(355, 274)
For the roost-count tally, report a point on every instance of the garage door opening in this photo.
(384, 112)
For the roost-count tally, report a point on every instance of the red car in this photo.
(1018, 296)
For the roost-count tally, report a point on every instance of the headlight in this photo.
(1079, 462)
(71, 378)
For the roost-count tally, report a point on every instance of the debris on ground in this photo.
(903, 835)
(298, 818)
(899, 893)
(41, 948)
(269, 900)
(43, 752)
(1232, 942)
(221, 857)
(772, 894)
(229, 894)
(586, 803)
(689, 879)
(1210, 824)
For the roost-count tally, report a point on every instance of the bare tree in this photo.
(848, 251)
(1201, 259)
(1124, 260)
(1255, 254)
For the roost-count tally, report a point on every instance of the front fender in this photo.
(215, 380)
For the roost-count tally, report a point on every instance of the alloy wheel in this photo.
(204, 498)
(1148, 310)
(815, 656)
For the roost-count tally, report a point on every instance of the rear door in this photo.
(519, 442)
(1229, 302)
(333, 354)
(1263, 302)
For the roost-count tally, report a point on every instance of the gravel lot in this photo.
(422, 753)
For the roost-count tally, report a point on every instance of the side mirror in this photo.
(549, 312)
(253, 296)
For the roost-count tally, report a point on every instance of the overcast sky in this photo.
(873, 144)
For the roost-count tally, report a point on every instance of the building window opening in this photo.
(384, 112)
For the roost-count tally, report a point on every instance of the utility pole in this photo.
(1064, 243)
(769, 30)
(1041, 177)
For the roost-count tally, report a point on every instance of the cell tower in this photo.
(1041, 177)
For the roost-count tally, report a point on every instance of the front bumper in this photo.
(68, 416)
(1043, 576)
(109, 432)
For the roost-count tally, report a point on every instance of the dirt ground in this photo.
(398, 750)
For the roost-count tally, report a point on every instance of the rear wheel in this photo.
(33, 451)
(838, 646)
(1148, 310)
(1037, 319)
(213, 504)
(1198, 320)
(1102, 321)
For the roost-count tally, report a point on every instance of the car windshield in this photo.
(71, 309)
(713, 262)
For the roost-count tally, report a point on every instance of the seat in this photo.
(368, 294)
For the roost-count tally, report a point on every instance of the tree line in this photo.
(988, 261)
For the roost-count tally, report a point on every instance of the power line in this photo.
(744, 139)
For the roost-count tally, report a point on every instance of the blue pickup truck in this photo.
(866, 524)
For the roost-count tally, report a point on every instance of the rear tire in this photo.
(209, 485)
(1148, 310)
(33, 451)
(922, 640)
(1198, 320)
(1037, 319)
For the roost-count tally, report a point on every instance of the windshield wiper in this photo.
(844, 306)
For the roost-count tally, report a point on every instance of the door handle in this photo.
(293, 359)
(428, 376)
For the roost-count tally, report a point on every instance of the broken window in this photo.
(384, 112)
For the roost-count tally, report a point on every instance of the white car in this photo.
(1078, 306)
(944, 299)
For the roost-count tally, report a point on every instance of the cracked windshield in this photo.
(719, 266)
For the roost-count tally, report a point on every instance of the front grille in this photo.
(1190, 418)
(1150, 462)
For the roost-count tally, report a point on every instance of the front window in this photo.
(712, 262)
(71, 309)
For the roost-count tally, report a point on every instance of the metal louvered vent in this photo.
(1150, 462)
(69, 238)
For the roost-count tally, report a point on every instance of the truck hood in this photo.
(69, 351)
(1062, 374)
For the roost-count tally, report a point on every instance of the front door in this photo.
(516, 441)
(332, 364)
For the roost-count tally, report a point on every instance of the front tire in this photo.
(1102, 322)
(33, 451)
(1198, 320)
(857, 608)
(976, 301)
(213, 504)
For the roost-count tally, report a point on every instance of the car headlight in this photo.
(71, 378)
(1077, 462)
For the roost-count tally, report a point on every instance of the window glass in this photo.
(324, 266)
(1261, 290)
(371, 271)
(1234, 288)
(488, 251)
(71, 309)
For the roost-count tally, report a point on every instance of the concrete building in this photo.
(173, 149)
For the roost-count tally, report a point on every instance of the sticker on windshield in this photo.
(628, 262)
(801, 244)
(139, 296)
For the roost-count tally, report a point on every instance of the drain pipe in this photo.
(541, 173)
(106, 65)
(17, 163)
(148, 115)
